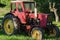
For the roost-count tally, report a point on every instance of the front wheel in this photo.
(54, 32)
(37, 33)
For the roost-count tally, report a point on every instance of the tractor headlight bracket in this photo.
(49, 23)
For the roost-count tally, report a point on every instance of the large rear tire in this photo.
(9, 24)
(37, 33)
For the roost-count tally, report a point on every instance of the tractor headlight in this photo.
(49, 23)
(38, 20)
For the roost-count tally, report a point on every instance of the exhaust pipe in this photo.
(35, 13)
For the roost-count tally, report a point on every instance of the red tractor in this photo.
(24, 16)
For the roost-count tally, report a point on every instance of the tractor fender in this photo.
(13, 15)
(8, 14)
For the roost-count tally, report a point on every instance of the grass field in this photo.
(20, 36)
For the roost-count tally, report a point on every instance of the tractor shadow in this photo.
(1, 20)
(22, 33)
(1, 33)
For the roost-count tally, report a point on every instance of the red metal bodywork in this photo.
(22, 15)
(42, 17)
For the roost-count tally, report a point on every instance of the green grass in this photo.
(21, 37)
(14, 37)
(57, 24)
(3, 11)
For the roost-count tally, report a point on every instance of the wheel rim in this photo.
(53, 32)
(36, 34)
(8, 26)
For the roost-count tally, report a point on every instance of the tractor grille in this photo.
(33, 21)
(49, 20)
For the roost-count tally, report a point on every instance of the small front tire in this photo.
(37, 33)
(54, 32)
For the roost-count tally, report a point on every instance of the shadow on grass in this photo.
(20, 36)
(17, 34)
(1, 20)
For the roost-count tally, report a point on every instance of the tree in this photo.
(1, 4)
(43, 6)
(54, 6)
(6, 2)
(53, 9)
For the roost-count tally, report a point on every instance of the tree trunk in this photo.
(56, 15)
(53, 9)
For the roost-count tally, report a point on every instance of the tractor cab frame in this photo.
(22, 6)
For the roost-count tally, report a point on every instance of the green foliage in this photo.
(5, 2)
(43, 6)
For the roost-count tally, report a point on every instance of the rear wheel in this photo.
(9, 25)
(37, 33)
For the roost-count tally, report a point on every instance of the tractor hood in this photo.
(39, 15)
(42, 17)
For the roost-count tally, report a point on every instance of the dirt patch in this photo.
(2, 10)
